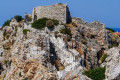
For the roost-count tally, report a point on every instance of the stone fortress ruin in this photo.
(57, 11)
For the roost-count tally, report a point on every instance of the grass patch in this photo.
(103, 58)
(25, 31)
(1, 54)
(96, 74)
(65, 31)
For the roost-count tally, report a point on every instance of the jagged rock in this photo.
(113, 64)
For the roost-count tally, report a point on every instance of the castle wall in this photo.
(58, 11)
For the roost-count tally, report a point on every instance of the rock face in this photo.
(113, 64)
(49, 54)
(94, 41)
(57, 11)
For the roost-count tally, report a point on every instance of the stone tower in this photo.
(57, 11)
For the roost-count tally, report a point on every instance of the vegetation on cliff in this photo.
(65, 31)
(25, 31)
(96, 74)
(103, 58)
(18, 18)
(43, 22)
(6, 23)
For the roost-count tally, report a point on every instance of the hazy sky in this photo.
(106, 11)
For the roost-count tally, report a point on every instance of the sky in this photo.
(105, 11)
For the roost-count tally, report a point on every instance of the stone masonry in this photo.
(57, 11)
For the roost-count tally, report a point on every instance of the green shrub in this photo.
(41, 23)
(103, 58)
(60, 4)
(20, 74)
(5, 62)
(56, 22)
(16, 29)
(96, 74)
(65, 31)
(3, 46)
(28, 18)
(25, 31)
(6, 23)
(49, 23)
(114, 44)
(4, 33)
(110, 29)
(18, 18)
(1, 54)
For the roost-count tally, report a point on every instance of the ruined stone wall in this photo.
(95, 28)
(57, 11)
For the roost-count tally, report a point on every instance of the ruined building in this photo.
(57, 11)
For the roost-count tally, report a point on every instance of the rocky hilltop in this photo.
(62, 51)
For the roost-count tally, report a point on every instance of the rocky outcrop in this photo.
(113, 64)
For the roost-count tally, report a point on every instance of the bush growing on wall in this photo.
(41, 23)
(56, 22)
(49, 23)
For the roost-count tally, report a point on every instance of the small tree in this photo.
(6, 23)
(50, 23)
(18, 18)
